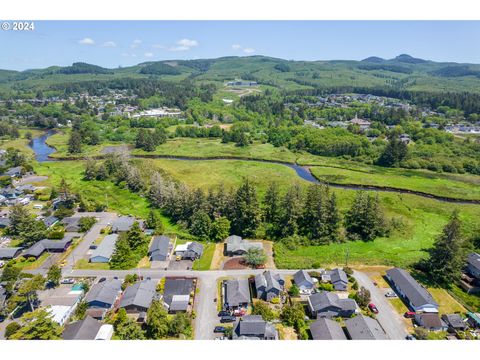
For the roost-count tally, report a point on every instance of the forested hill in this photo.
(403, 72)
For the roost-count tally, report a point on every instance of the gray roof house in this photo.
(104, 294)
(39, 247)
(303, 281)
(454, 322)
(49, 221)
(14, 171)
(194, 251)
(339, 279)
(176, 293)
(4, 222)
(419, 299)
(159, 248)
(326, 304)
(236, 294)
(104, 251)
(473, 264)
(364, 328)
(139, 296)
(122, 224)
(326, 329)
(86, 329)
(269, 285)
(235, 245)
(71, 223)
(430, 321)
(10, 252)
(253, 327)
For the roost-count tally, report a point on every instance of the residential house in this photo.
(430, 321)
(123, 224)
(159, 248)
(105, 332)
(86, 329)
(326, 304)
(362, 124)
(339, 279)
(473, 320)
(417, 297)
(104, 294)
(71, 224)
(177, 293)
(326, 329)
(269, 285)
(61, 302)
(236, 294)
(235, 245)
(37, 249)
(303, 281)
(362, 327)
(16, 171)
(189, 251)
(4, 222)
(49, 221)
(454, 322)
(9, 253)
(473, 265)
(253, 327)
(139, 296)
(104, 251)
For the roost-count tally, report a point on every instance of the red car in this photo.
(409, 314)
(373, 308)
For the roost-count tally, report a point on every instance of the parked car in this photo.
(409, 314)
(68, 281)
(224, 313)
(63, 263)
(2, 263)
(373, 308)
(239, 312)
(390, 294)
(219, 329)
(227, 319)
(221, 338)
(410, 337)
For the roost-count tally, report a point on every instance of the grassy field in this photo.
(206, 260)
(21, 143)
(423, 220)
(205, 174)
(59, 141)
(118, 199)
(214, 147)
(447, 304)
(470, 301)
(31, 265)
(449, 185)
(85, 265)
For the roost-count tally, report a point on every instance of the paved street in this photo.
(387, 316)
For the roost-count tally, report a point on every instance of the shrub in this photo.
(348, 270)
(11, 329)
(275, 300)
(326, 287)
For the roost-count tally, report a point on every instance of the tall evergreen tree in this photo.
(290, 217)
(246, 214)
(395, 152)
(365, 219)
(75, 142)
(447, 256)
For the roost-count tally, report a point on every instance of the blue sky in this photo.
(122, 43)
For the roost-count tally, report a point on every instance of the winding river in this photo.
(43, 151)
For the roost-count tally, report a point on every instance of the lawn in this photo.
(206, 260)
(449, 185)
(447, 304)
(398, 305)
(470, 301)
(21, 143)
(32, 265)
(85, 265)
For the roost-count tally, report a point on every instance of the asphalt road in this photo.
(387, 316)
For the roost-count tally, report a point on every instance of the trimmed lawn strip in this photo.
(205, 261)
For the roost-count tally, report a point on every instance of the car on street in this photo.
(63, 263)
(390, 294)
(219, 329)
(409, 314)
(224, 313)
(239, 312)
(227, 319)
(68, 281)
(373, 308)
(410, 337)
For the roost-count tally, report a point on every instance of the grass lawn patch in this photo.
(286, 332)
(32, 265)
(85, 265)
(205, 261)
(144, 263)
(470, 301)
(398, 305)
(447, 304)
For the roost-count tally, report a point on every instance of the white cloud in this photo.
(86, 41)
(148, 54)
(109, 44)
(248, 50)
(158, 46)
(184, 45)
(136, 43)
(236, 46)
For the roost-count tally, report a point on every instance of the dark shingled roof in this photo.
(85, 329)
(302, 276)
(364, 328)
(474, 260)
(9, 253)
(253, 326)
(327, 329)
(140, 294)
(105, 292)
(159, 246)
(237, 292)
(325, 299)
(416, 293)
(176, 287)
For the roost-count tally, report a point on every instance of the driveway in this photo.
(391, 321)
(80, 252)
(205, 308)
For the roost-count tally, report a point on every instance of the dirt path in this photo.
(218, 258)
